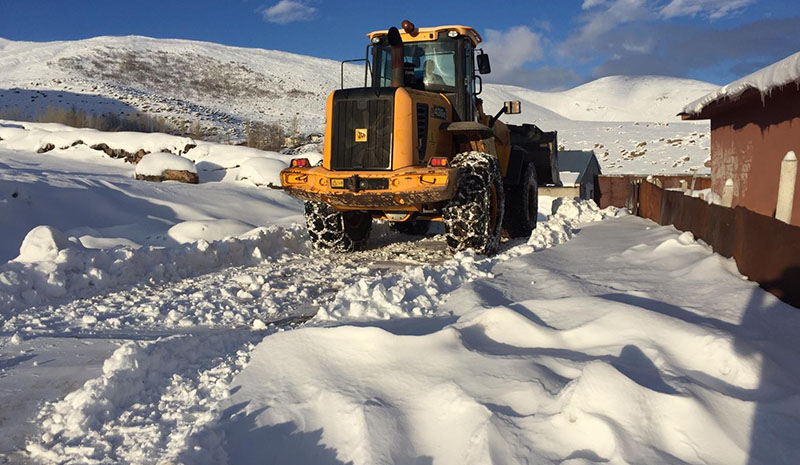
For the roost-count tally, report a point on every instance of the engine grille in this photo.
(362, 129)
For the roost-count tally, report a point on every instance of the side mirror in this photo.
(513, 107)
(483, 63)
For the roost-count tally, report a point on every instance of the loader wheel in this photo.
(336, 231)
(474, 218)
(411, 227)
(522, 204)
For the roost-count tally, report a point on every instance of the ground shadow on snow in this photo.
(25, 205)
(11, 362)
(247, 443)
(767, 328)
(776, 420)
(33, 105)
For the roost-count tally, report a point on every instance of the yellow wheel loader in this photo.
(414, 146)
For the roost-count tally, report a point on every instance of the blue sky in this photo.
(536, 43)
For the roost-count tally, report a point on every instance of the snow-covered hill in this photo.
(614, 98)
(184, 81)
(188, 80)
(212, 89)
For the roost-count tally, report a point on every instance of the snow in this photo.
(418, 292)
(606, 349)
(765, 80)
(157, 323)
(261, 171)
(51, 268)
(34, 136)
(614, 115)
(208, 230)
(154, 164)
(568, 178)
(611, 98)
(45, 188)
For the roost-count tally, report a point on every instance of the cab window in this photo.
(428, 65)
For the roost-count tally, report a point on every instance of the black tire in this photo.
(411, 227)
(522, 204)
(332, 230)
(474, 218)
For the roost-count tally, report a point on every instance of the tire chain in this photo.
(326, 228)
(467, 217)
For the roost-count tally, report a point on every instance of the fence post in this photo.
(783, 211)
(727, 193)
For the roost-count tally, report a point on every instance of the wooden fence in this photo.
(766, 250)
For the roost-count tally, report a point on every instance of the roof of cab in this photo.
(422, 34)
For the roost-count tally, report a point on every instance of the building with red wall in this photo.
(755, 122)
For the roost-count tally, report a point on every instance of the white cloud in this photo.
(714, 9)
(289, 11)
(510, 50)
(587, 4)
(604, 16)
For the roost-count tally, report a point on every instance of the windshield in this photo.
(428, 65)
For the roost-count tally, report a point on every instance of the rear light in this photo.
(299, 163)
(438, 161)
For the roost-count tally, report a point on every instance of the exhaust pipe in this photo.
(396, 42)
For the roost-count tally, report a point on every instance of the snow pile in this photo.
(155, 164)
(564, 223)
(87, 194)
(417, 291)
(208, 230)
(36, 136)
(220, 162)
(623, 357)
(51, 267)
(172, 385)
(777, 75)
(412, 293)
(261, 171)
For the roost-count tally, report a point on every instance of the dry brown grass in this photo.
(265, 136)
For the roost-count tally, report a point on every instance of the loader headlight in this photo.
(452, 34)
(376, 40)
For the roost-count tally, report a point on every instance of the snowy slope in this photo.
(220, 87)
(183, 80)
(614, 98)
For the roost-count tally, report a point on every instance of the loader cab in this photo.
(445, 63)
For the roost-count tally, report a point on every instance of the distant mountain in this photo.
(613, 98)
(221, 86)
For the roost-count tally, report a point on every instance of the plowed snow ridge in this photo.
(158, 400)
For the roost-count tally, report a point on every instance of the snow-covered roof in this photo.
(764, 80)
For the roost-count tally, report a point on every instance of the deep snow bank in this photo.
(173, 385)
(86, 194)
(52, 267)
(635, 345)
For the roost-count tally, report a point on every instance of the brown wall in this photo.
(766, 250)
(748, 142)
(617, 189)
